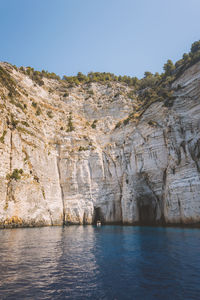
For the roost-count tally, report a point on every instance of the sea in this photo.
(106, 262)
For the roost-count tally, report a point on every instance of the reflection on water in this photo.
(108, 262)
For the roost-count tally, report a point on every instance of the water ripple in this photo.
(110, 262)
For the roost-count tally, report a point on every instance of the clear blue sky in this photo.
(126, 37)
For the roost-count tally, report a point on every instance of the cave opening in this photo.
(98, 216)
(147, 213)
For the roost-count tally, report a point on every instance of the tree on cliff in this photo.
(169, 67)
(195, 47)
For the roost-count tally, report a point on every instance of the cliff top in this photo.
(84, 106)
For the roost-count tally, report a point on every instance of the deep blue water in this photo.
(110, 262)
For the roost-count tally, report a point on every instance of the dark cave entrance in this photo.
(97, 215)
(147, 213)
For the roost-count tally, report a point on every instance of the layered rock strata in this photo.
(63, 160)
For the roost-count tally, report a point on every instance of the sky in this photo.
(125, 37)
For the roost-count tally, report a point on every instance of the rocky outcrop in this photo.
(64, 160)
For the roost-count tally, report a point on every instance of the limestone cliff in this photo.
(74, 155)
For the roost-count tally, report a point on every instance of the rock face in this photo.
(64, 160)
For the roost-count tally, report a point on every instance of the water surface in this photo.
(110, 262)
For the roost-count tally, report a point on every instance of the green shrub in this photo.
(103, 77)
(126, 121)
(90, 92)
(70, 126)
(2, 137)
(50, 114)
(82, 148)
(7, 81)
(36, 178)
(17, 103)
(16, 174)
(13, 121)
(24, 130)
(94, 124)
(34, 104)
(25, 123)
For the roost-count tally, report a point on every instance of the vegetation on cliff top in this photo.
(157, 87)
(151, 88)
(7, 80)
(171, 72)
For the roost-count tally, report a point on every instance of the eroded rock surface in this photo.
(77, 166)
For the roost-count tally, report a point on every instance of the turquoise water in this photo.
(109, 262)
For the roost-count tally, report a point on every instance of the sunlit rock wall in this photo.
(146, 172)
